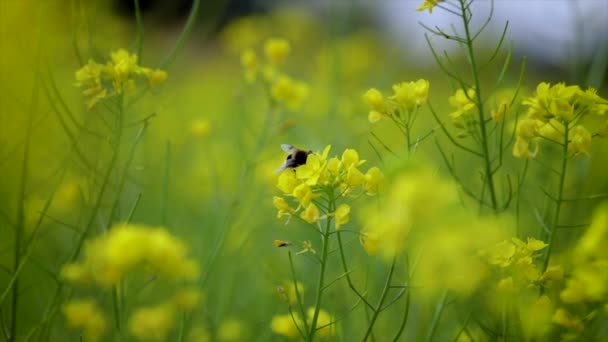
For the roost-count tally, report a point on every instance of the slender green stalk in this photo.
(383, 295)
(324, 257)
(489, 177)
(558, 199)
(298, 295)
(347, 272)
(437, 316)
(179, 42)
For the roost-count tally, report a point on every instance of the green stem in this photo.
(479, 103)
(383, 295)
(558, 200)
(347, 272)
(438, 311)
(321, 279)
(298, 295)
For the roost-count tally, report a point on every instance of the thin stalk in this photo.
(320, 281)
(383, 295)
(479, 102)
(298, 295)
(347, 273)
(437, 316)
(558, 199)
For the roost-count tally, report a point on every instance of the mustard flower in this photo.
(552, 101)
(286, 325)
(249, 61)
(428, 4)
(314, 167)
(527, 128)
(521, 149)
(231, 330)
(282, 206)
(374, 99)
(89, 78)
(464, 103)
(342, 215)
(310, 214)
(303, 193)
(288, 91)
(152, 323)
(564, 318)
(580, 141)
(324, 320)
(276, 50)
(187, 299)
(85, 314)
(411, 94)
(287, 181)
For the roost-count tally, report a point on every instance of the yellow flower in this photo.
(324, 321)
(411, 94)
(89, 78)
(152, 323)
(303, 193)
(370, 241)
(580, 141)
(428, 4)
(564, 318)
(314, 167)
(521, 149)
(282, 206)
(200, 128)
(373, 178)
(375, 100)
(310, 214)
(502, 254)
(249, 61)
(464, 103)
(288, 91)
(187, 299)
(85, 314)
(231, 330)
(276, 50)
(342, 215)
(374, 116)
(287, 326)
(350, 158)
(287, 181)
(527, 128)
(76, 273)
(506, 286)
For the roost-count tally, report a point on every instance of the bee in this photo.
(282, 243)
(295, 158)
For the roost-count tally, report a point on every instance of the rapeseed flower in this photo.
(286, 325)
(152, 323)
(411, 94)
(407, 96)
(117, 76)
(276, 50)
(428, 4)
(86, 315)
(463, 103)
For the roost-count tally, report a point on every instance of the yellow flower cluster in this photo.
(407, 96)
(586, 286)
(286, 325)
(516, 261)
(283, 88)
(117, 76)
(554, 113)
(110, 257)
(464, 103)
(85, 315)
(321, 175)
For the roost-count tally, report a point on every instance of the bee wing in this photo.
(288, 148)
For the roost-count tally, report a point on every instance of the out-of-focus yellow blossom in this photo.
(152, 323)
(594, 242)
(370, 241)
(373, 180)
(342, 215)
(287, 181)
(199, 334)
(85, 314)
(564, 318)
(552, 129)
(464, 103)
(516, 259)
(303, 193)
(187, 299)
(110, 257)
(115, 77)
(244, 33)
(288, 91)
(290, 291)
(276, 50)
(580, 141)
(249, 61)
(287, 326)
(374, 116)
(503, 104)
(310, 214)
(76, 273)
(535, 317)
(411, 94)
(553, 273)
(200, 128)
(527, 128)
(428, 4)
(323, 320)
(89, 78)
(521, 149)
(231, 330)
(307, 248)
(506, 286)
